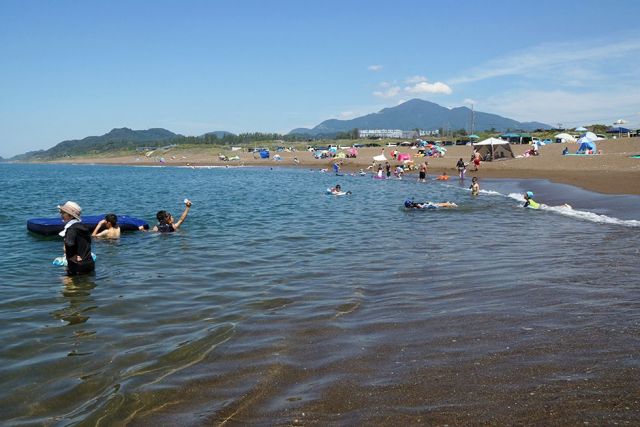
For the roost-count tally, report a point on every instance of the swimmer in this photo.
(337, 190)
(165, 220)
(410, 204)
(529, 202)
(111, 227)
(443, 177)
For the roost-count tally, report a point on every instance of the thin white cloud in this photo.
(568, 59)
(374, 67)
(415, 79)
(347, 115)
(469, 101)
(391, 92)
(561, 106)
(425, 87)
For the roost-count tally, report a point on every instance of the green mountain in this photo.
(421, 114)
(116, 139)
(218, 134)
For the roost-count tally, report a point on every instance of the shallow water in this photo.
(278, 304)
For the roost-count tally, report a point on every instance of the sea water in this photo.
(276, 303)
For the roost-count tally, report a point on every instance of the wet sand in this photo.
(611, 172)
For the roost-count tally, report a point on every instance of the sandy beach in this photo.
(612, 172)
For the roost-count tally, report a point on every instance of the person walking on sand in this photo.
(77, 240)
(475, 187)
(476, 160)
(111, 227)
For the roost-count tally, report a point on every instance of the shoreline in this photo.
(612, 172)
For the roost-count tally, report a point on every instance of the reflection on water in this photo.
(278, 304)
(77, 291)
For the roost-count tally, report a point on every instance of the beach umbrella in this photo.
(565, 137)
(380, 158)
(474, 137)
(581, 129)
(590, 135)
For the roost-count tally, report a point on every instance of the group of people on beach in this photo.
(77, 235)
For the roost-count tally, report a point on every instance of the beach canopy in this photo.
(589, 135)
(586, 146)
(618, 129)
(380, 158)
(581, 129)
(474, 136)
(493, 149)
(565, 137)
(403, 157)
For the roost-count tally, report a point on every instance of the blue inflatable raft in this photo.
(51, 226)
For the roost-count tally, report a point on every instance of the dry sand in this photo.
(612, 172)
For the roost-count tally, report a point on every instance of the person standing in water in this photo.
(475, 187)
(422, 177)
(462, 168)
(77, 240)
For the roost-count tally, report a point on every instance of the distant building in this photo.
(409, 134)
(429, 132)
(380, 133)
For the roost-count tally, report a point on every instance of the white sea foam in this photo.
(491, 192)
(568, 211)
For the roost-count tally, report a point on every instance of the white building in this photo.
(380, 133)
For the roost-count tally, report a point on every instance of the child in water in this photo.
(475, 187)
(529, 202)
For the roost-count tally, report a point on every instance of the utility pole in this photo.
(473, 119)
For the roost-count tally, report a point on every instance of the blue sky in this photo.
(72, 69)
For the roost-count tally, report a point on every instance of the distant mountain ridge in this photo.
(115, 139)
(421, 114)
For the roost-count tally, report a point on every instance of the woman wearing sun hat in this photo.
(77, 240)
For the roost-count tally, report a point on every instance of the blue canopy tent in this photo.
(619, 130)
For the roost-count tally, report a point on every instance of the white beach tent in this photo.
(592, 136)
(380, 158)
(493, 149)
(581, 129)
(565, 137)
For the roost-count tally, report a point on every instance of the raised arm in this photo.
(176, 225)
(95, 230)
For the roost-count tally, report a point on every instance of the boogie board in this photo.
(339, 193)
(52, 226)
